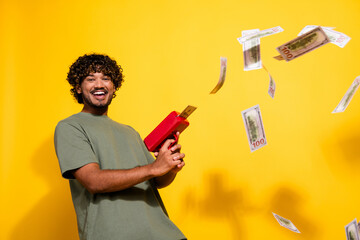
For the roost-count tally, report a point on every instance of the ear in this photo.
(78, 89)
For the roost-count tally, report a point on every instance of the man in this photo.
(113, 177)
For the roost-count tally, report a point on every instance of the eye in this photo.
(90, 79)
(106, 79)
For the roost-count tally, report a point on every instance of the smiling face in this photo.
(97, 92)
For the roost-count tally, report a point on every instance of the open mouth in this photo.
(99, 94)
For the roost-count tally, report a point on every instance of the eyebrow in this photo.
(92, 74)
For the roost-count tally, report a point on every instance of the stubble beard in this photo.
(88, 102)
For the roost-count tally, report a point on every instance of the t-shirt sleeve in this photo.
(149, 157)
(73, 148)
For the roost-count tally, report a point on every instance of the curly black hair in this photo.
(92, 63)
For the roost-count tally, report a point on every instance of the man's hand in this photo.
(172, 160)
(168, 159)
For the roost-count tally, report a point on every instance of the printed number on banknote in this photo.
(254, 127)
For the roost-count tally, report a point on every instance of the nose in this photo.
(99, 83)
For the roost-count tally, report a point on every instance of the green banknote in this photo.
(303, 44)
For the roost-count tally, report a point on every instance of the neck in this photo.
(96, 111)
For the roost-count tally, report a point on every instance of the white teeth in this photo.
(98, 93)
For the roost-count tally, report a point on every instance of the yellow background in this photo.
(170, 52)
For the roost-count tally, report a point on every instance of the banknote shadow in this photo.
(343, 151)
(53, 216)
(220, 202)
(347, 144)
(288, 203)
(350, 149)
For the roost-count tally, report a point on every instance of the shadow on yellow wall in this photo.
(53, 217)
(343, 152)
(220, 201)
(230, 203)
(288, 203)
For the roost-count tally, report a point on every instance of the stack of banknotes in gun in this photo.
(250, 41)
(311, 38)
(352, 230)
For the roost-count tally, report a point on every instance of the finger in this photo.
(176, 147)
(167, 144)
(181, 165)
(178, 156)
(177, 162)
(156, 154)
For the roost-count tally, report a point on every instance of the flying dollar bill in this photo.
(352, 231)
(251, 51)
(223, 64)
(311, 27)
(286, 223)
(337, 38)
(303, 44)
(254, 127)
(272, 85)
(348, 96)
(259, 34)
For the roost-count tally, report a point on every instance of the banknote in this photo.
(286, 223)
(223, 64)
(352, 231)
(254, 127)
(303, 44)
(344, 102)
(259, 34)
(272, 85)
(187, 111)
(335, 37)
(251, 51)
(311, 27)
(280, 58)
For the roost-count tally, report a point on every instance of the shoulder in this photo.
(126, 128)
(120, 125)
(70, 122)
(76, 124)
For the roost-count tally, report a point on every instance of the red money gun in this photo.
(167, 129)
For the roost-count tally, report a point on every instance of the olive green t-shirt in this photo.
(131, 214)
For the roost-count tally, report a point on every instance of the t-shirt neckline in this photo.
(93, 115)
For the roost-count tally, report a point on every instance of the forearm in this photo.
(96, 180)
(165, 180)
(165, 167)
